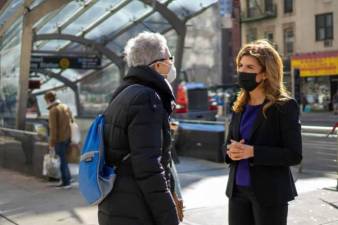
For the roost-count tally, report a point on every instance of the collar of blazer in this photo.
(237, 121)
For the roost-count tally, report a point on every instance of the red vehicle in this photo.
(193, 102)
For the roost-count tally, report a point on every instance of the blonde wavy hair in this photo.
(272, 66)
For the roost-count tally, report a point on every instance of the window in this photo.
(288, 6)
(268, 5)
(251, 8)
(269, 36)
(288, 41)
(251, 35)
(324, 27)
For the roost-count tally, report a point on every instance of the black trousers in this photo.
(244, 209)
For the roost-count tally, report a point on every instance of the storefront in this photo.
(319, 78)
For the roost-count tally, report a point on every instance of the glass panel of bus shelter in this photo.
(49, 83)
(53, 45)
(99, 9)
(156, 23)
(121, 40)
(115, 47)
(10, 74)
(36, 3)
(69, 74)
(96, 91)
(128, 14)
(10, 10)
(72, 74)
(11, 36)
(65, 95)
(185, 9)
(62, 16)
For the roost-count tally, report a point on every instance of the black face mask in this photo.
(247, 81)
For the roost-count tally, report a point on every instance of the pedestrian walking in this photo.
(264, 140)
(59, 119)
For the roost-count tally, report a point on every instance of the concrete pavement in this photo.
(31, 201)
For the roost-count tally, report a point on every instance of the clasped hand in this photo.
(238, 150)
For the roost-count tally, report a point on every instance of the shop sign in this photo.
(316, 64)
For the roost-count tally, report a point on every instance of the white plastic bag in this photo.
(75, 133)
(51, 165)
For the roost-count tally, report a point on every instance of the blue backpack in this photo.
(96, 178)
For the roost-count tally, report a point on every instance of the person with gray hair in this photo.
(137, 125)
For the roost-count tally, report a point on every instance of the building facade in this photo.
(211, 43)
(305, 33)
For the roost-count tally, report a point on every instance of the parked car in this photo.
(223, 97)
(193, 102)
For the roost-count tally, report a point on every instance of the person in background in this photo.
(303, 101)
(59, 119)
(335, 103)
(137, 124)
(264, 140)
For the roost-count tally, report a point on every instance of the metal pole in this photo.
(292, 82)
(179, 56)
(26, 48)
(337, 160)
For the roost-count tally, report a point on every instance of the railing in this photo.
(15, 131)
(22, 150)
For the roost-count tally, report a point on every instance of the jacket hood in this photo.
(146, 76)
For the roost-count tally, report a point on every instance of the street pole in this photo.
(26, 48)
(337, 160)
(225, 7)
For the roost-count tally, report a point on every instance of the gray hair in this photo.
(145, 48)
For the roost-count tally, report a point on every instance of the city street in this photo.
(265, 65)
(31, 201)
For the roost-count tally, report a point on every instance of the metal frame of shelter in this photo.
(35, 18)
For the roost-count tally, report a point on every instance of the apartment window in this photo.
(288, 41)
(324, 27)
(269, 36)
(251, 8)
(288, 6)
(251, 35)
(268, 5)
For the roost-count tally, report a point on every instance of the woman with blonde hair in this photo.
(264, 140)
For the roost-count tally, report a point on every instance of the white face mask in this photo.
(171, 75)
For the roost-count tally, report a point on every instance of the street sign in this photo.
(65, 62)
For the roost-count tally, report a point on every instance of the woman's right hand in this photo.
(239, 150)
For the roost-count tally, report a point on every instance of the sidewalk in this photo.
(30, 201)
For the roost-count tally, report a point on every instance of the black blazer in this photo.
(277, 146)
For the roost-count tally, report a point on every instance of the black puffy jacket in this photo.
(137, 123)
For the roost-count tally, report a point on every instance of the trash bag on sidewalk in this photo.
(51, 165)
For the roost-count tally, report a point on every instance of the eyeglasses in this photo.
(171, 58)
